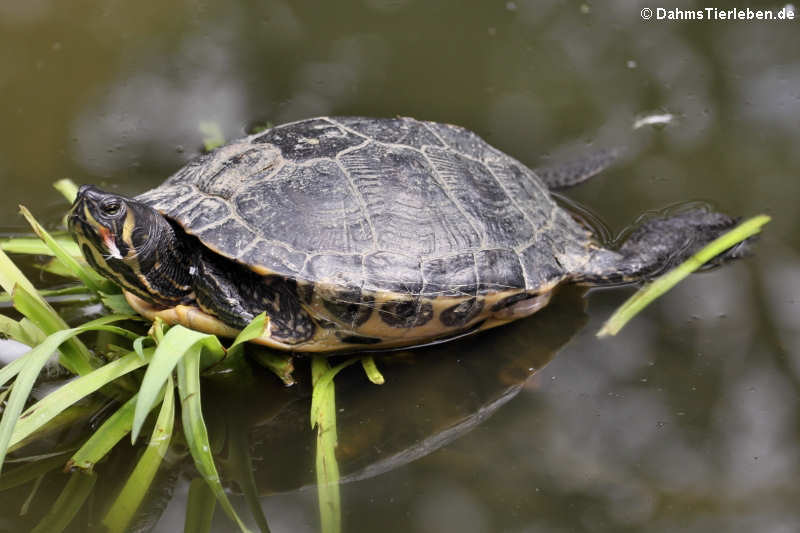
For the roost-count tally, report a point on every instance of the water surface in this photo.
(686, 421)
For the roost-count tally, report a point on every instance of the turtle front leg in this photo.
(235, 294)
(216, 293)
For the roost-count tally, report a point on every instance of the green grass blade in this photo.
(176, 343)
(34, 360)
(77, 293)
(75, 356)
(371, 369)
(663, 283)
(68, 188)
(107, 435)
(133, 492)
(33, 332)
(116, 303)
(199, 507)
(69, 418)
(280, 364)
(234, 358)
(254, 329)
(322, 382)
(35, 246)
(12, 329)
(68, 503)
(195, 429)
(11, 276)
(23, 331)
(55, 267)
(323, 417)
(104, 438)
(60, 399)
(89, 277)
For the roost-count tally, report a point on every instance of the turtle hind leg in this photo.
(659, 244)
(562, 176)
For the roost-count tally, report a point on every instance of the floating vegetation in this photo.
(212, 134)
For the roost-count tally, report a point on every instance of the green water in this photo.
(688, 420)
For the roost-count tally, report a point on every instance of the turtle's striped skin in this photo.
(354, 233)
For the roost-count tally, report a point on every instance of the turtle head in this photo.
(131, 244)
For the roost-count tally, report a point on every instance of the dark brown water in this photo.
(688, 420)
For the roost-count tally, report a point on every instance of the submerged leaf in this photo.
(31, 470)
(132, 494)
(323, 417)
(200, 507)
(68, 503)
(194, 428)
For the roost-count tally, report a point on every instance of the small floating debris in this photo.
(654, 119)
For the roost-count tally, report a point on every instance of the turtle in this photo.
(356, 233)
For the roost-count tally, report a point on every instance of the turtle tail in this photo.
(659, 244)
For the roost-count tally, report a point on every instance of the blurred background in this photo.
(687, 420)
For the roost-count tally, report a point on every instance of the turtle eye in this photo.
(111, 207)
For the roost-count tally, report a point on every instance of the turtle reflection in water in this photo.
(356, 233)
(434, 395)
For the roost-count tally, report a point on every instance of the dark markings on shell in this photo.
(357, 339)
(406, 314)
(508, 301)
(461, 313)
(349, 306)
(309, 139)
